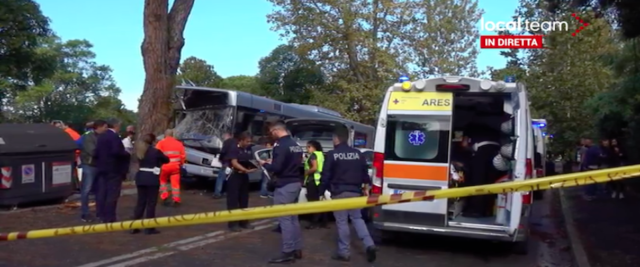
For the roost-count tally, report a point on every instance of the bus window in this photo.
(256, 128)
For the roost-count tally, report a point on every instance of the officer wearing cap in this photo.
(345, 170)
(288, 170)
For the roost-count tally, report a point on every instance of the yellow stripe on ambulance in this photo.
(420, 101)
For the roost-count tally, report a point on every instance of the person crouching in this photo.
(148, 180)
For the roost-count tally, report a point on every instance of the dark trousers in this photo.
(110, 185)
(147, 201)
(616, 186)
(238, 195)
(314, 194)
(481, 172)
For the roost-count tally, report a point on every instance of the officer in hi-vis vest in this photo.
(312, 172)
(345, 170)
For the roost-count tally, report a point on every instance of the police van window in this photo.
(418, 138)
(360, 139)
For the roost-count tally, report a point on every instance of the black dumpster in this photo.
(37, 163)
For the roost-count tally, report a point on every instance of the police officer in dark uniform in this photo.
(344, 173)
(287, 168)
(239, 158)
(481, 171)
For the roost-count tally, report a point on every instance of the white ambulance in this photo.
(419, 124)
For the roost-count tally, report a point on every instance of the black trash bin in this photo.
(37, 162)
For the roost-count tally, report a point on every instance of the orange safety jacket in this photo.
(75, 136)
(173, 149)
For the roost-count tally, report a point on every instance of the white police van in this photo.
(419, 124)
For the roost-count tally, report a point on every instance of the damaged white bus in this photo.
(205, 114)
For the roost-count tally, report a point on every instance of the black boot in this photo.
(339, 257)
(371, 253)
(285, 257)
(297, 254)
(134, 231)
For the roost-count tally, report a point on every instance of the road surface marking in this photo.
(189, 246)
(143, 259)
(163, 247)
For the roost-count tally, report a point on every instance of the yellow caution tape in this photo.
(558, 181)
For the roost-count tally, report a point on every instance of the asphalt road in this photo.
(210, 245)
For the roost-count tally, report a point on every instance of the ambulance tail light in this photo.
(452, 87)
(378, 170)
(526, 196)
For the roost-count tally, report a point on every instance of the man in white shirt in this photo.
(128, 141)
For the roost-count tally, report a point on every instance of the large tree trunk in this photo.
(161, 50)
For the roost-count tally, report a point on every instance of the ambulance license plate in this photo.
(396, 191)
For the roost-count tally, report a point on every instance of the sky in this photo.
(231, 35)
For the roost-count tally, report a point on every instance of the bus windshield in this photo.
(205, 127)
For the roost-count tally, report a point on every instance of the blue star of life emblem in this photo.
(416, 138)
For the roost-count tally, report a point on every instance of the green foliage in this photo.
(361, 46)
(287, 77)
(563, 78)
(243, 83)
(199, 72)
(79, 90)
(22, 28)
(623, 12)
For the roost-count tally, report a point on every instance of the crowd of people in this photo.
(104, 158)
(607, 154)
(290, 171)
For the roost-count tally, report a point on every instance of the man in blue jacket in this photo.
(288, 169)
(111, 161)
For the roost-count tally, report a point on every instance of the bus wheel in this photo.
(520, 248)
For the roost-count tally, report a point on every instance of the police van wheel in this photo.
(520, 248)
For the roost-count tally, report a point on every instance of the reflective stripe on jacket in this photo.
(173, 149)
(320, 162)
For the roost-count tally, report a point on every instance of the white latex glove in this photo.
(327, 195)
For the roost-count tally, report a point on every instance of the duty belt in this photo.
(155, 170)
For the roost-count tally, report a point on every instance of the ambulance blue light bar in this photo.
(452, 87)
(510, 79)
(539, 124)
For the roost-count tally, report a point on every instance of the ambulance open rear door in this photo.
(521, 131)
